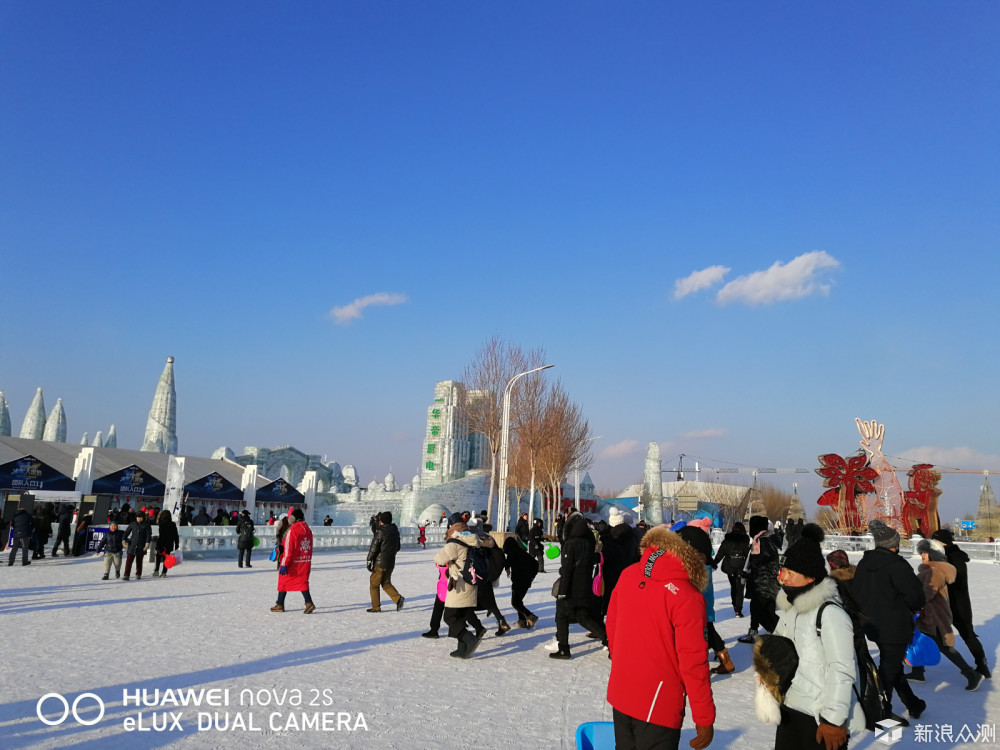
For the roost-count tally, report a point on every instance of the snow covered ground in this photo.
(208, 626)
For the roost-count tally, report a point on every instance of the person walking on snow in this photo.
(381, 561)
(295, 562)
(112, 546)
(137, 538)
(461, 599)
(659, 658)
(244, 538)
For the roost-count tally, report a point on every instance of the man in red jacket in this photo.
(656, 635)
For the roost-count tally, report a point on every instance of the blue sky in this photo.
(734, 227)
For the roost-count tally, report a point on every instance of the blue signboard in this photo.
(129, 481)
(213, 487)
(28, 473)
(279, 491)
(968, 525)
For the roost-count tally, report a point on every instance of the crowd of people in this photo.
(646, 595)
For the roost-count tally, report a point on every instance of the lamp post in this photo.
(502, 511)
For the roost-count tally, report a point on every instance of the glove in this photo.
(283, 570)
(834, 737)
(370, 566)
(703, 738)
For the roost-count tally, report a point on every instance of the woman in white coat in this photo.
(819, 710)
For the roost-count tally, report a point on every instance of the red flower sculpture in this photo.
(847, 479)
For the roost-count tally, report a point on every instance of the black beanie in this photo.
(697, 538)
(806, 555)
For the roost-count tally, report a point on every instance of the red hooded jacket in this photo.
(297, 558)
(656, 635)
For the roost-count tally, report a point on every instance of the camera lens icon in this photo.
(68, 709)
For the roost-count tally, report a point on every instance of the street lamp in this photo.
(502, 510)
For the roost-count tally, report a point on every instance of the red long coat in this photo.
(656, 636)
(297, 557)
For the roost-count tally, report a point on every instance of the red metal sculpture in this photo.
(847, 479)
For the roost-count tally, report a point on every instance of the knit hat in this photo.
(933, 549)
(838, 559)
(757, 525)
(697, 538)
(885, 536)
(705, 524)
(944, 536)
(806, 555)
(615, 518)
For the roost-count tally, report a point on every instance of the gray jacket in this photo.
(827, 672)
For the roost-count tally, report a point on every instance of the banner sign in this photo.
(28, 473)
(279, 491)
(129, 481)
(214, 487)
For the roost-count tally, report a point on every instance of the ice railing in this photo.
(213, 539)
(975, 550)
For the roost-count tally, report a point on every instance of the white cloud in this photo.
(347, 313)
(620, 450)
(782, 281)
(699, 280)
(961, 457)
(712, 432)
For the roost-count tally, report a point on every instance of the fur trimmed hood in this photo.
(825, 590)
(844, 574)
(662, 538)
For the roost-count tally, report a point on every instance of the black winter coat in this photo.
(762, 576)
(521, 529)
(112, 542)
(244, 532)
(65, 521)
(43, 527)
(535, 541)
(889, 594)
(168, 539)
(619, 550)
(958, 592)
(23, 524)
(522, 567)
(138, 535)
(385, 545)
(576, 571)
(733, 553)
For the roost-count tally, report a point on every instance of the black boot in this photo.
(983, 668)
(916, 675)
(562, 653)
(471, 643)
(975, 680)
(750, 637)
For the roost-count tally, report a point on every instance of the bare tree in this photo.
(566, 439)
(776, 502)
(491, 369)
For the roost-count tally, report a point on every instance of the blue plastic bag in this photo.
(922, 651)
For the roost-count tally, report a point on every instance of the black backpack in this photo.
(868, 690)
(477, 564)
